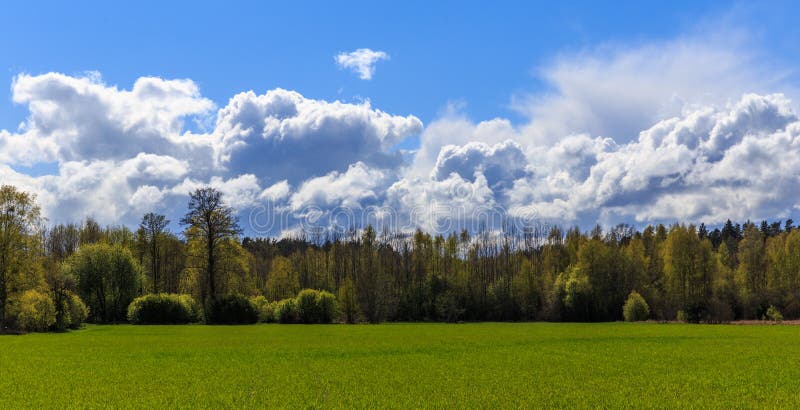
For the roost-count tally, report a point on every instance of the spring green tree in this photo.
(20, 248)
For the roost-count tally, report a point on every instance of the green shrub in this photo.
(271, 312)
(231, 309)
(77, 311)
(774, 314)
(36, 311)
(286, 311)
(307, 309)
(71, 313)
(266, 309)
(635, 308)
(327, 308)
(316, 306)
(682, 317)
(162, 308)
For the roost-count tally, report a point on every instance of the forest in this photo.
(57, 277)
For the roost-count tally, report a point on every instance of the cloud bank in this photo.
(639, 135)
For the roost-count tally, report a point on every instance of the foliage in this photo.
(682, 317)
(448, 308)
(266, 309)
(327, 308)
(162, 308)
(76, 310)
(736, 271)
(773, 314)
(572, 292)
(348, 301)
(635, 308)
(307, 309)
(211, 224)
(108, 280)
(20, 241)
(231, 309)
(283, 280)
(286, 311)
(35, 311)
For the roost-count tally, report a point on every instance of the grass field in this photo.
(405, 365)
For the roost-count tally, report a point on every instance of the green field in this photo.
(404, 365)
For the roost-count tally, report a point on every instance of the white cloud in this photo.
(615, 91)
(119, 151)
(80, 118)
(348, 189)
(654, 133)
(283, 135)
(361, 61)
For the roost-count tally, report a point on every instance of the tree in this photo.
(20, 244)
(210, 221)
(635, 308)
(751, 276)
(689, 269)
(282, 282)
(153, 226)
(90, 232)
(348, 301)
(108, 280)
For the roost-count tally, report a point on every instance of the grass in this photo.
(405, 365)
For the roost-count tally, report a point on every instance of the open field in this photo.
(405, 365)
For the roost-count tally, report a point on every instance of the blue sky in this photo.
(440, 51)
(488, 96)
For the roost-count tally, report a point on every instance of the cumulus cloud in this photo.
(361, 61)
(282, 135)
(355, 188)
(120, 152)
(81, 118)
(616, 91)
(678, 170)
(662, 132)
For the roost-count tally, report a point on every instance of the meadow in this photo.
(405, 365)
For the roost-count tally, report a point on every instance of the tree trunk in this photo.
(211, 261)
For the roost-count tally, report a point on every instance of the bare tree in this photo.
(153, 226)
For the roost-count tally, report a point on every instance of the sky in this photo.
(438, 115)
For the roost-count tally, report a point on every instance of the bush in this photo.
(682, 317)
(307, 310)
(231, 309)
(635, 308)
(77, 311)
(162, 308)
(36, 311)
(71, 313)
(266, 309)
(773, 314)
(286, 311)
(327, 308)
(316, 306)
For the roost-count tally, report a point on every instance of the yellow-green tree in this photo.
(211, 223)
(283, 281)
(689, 268)
(20, 248)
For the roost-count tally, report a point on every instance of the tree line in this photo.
(51, 278)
